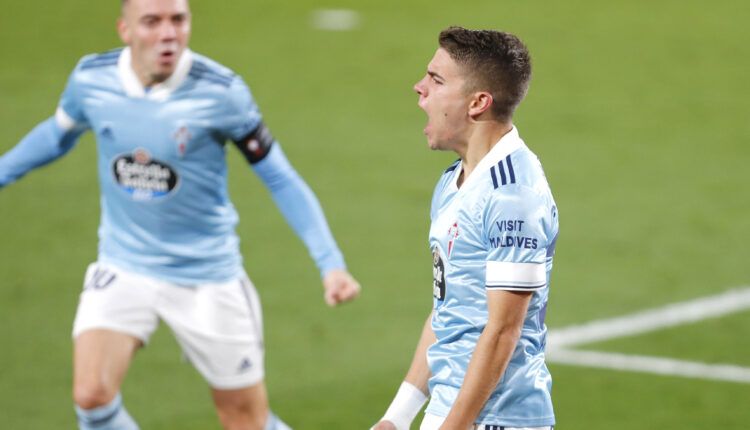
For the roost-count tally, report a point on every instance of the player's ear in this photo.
(123, 30)
(480, 103)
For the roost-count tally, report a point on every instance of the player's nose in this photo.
(419, 87)
(168, 31)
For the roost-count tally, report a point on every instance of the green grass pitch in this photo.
(638, 110)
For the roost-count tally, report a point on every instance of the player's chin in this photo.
(433, 145)
(161, 74)
(166, 68)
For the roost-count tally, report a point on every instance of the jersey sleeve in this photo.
(300, 208)
(519, 233)
(70, 113)
(243, 116)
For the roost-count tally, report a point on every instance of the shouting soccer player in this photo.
(480, 358)
(167, 243)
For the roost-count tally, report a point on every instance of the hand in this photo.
(384, 425)
(340, 287)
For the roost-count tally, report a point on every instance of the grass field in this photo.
(638, 110)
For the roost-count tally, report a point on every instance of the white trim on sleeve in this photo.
(64, 121)
(516, 276)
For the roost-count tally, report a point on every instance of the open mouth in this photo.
(167, 56)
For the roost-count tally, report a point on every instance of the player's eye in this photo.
(149, 21)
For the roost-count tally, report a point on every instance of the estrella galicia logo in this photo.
(438, 274)
(143, 177)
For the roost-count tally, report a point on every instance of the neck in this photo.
(146, 79)
(481, 140)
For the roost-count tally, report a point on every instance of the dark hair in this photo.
(492, 61)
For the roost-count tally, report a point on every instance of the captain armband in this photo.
(405, 406)
(256, 145)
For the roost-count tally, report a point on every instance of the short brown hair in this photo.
(493, 61)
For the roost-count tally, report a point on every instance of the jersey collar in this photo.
(506, 145)
(159, 92)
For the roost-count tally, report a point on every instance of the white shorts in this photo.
(433, 422)
(219, 326)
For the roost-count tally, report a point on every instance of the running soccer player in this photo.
(167, 243)
(480, 358)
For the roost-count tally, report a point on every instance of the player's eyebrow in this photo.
(435, 75)
(156, 16)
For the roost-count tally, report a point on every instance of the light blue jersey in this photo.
(165, 209)
(497, 231)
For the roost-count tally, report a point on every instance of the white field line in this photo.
(562, 340)
(640, 363)
(642, 322)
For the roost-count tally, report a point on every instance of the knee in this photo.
(90, 395)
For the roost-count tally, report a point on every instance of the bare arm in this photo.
(507, 310)
(408, 401)
(419, 371)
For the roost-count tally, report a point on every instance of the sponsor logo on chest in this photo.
(143, 177)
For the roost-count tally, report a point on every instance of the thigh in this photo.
(100, 361)
(219, 327)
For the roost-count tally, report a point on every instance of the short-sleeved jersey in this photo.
(497, 231)
(161, 163)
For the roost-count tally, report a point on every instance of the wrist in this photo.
(405, 406)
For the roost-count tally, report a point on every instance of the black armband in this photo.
(256, 145)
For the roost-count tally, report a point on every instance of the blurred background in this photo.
(638, 111)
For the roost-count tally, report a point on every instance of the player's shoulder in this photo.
(516, 179)
(516, 187)
(208, 71)
(99, 60)
(518, 170)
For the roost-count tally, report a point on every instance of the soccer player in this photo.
(480, 357)
(167, 243)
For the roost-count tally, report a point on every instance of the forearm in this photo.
(300, 208)
(419, 371)
(413, 392)
(488, 363)
(44, 144)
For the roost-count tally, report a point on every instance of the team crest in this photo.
(452, 236)
(182, 136)
(141, 156)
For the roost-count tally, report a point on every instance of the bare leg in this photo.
(242, 409)
(100, 361)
